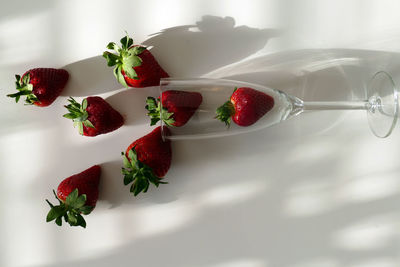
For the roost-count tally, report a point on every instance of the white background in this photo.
(318, 190)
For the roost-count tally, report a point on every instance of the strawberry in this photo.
(94, 116)
(41, 86)
(77, 195)
(135, 65)
(146, 161)
(176, 109)
(246, 106)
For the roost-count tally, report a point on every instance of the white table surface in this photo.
(318, 190)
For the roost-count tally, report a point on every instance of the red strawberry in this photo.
(246, 106)
(146, 161)
(177, 107)
(135, 65)
(94, 116)
(76, 194)
(41, 86)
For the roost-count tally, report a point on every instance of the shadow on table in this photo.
(194, 50)
(188, 50)
(131, 104)
(261, 228)
(90, 76)
(315, 74)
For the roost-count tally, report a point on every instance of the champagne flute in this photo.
(381, 106)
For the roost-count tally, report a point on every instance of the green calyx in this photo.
(24, 88)
(70, 210)
(225, 112)
(125, 58)
(78, 114)
(139, 173)
(156, 112)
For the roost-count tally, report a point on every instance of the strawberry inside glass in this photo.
(226, 107)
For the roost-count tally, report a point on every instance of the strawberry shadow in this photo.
(193, 50)
(112, 189)
(115, 193)
(90, 76)
(131, 104)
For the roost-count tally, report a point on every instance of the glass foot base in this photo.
(382, 107)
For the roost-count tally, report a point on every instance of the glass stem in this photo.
(336, 105)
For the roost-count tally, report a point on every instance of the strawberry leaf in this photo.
(69, 116)
(72, 219)
(113, 46)
(84, 105)
(59, 221)
(112, 59)
(137, 50)
(71, 198)
(147, 187)
(129, 63)
(129, 71)
(126, 42)
(125, 58)
(86, 209)
(225, 112)
(151, 103)
(140, 185)
(80, 128)
(54, 193)
(120, 77)
(81, 221)
(128, 178)
(132, 60)
(138, 173)
(78, 114)
(80, 201)
(25, 79)
(87, 123)
(54, 213)
(153, 121)
(133, 156)
(70, 210)
(24, 88)
(127, 164)
(157, 113)
(167, 117)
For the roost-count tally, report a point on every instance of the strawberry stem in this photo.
(78, 114)
(225, 112)
(157, 112)
(125, 59)
(24, 88)
(70, 210)
(138, 173)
